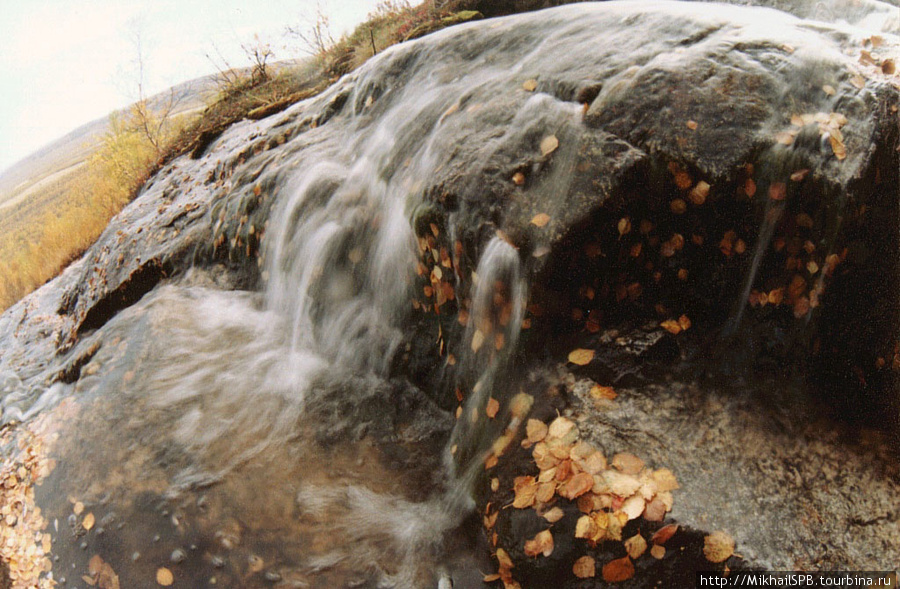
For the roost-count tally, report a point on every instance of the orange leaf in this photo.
(663, 534)
(164, 577)
(540, 219)
(577, 486)
(542, 543)
(581, 357)
(493, 406)
(525, 489)
(618, 570)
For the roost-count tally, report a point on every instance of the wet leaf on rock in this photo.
(536, 430)
(560, 427)
(584, 567)
(540, 219)
(663, 534)
(627, 463)
(542, 543)
(581, 356)
(635, 546)
(164, 577)
(554, 515)
(577, 486)
(618, 570)
(477, 340)
(530, 85)
(493, 406)
(718, 547)
(603, 392)
(88, 522)
(549, 144)
(525, 489)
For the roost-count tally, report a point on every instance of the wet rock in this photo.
(705, 205)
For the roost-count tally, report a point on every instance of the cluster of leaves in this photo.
(24, 541)
(608, 494)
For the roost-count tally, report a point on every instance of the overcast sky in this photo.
(64, 63)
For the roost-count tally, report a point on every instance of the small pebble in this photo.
(135, 556)
(178, 555)
(84, 545)
(218, 562)
(272, 576)
(156, 538)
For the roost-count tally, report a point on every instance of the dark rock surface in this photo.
(730, 174)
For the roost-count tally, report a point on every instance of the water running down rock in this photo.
(309, 357)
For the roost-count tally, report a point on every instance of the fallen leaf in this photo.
(663, 534)
(624, 226)
(699, 193)
(621, 484)
(530, 85)
(655, 510)
(549, 144)
(540, 219)
(586, 527)
(536, 430)
(603, 392)
(777, 191)
(542, 543)
(618, 570)
(658, 552)
(164, 577)
(78, 508)
(491, 578)
(543, 458)
(665, 479)
(584, 567)
(627, 463)
(545, 492)
(493, 406)
(828, 90)
(581, 357)
(595, 463)
(554, 515)
(559, 427)
(504, 559)
(633, 507)
(635, 546)
(88, 522)
(718, 547)
(525, 489)
(518, 178)
(671, 326)
(477, 340)
(749, 187)
(578, 485)
(692, 125)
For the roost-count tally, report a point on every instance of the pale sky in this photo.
(64, 63)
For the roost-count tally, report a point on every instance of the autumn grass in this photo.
(45, 232)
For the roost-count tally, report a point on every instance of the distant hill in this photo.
(63, 157)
